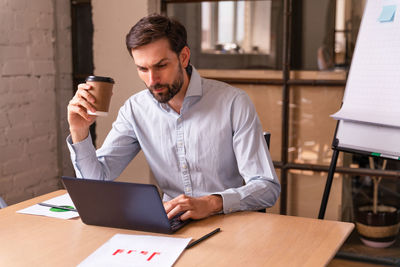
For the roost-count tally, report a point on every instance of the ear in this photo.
(184, 56)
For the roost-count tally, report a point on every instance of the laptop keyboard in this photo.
(176, 222)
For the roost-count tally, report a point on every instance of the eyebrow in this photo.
(158, 63)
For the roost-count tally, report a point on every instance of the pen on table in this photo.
(56, 206)
(203, 238)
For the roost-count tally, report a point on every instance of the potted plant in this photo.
(377, 224)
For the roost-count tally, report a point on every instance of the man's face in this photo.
(160, 69)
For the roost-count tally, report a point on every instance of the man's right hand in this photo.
(78, 118)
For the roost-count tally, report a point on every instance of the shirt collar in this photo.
(194, 90)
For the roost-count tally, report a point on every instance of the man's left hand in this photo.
(194, 208)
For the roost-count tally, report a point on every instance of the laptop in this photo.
(121, 205)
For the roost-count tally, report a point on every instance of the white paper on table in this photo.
(63, 200)
(137, 250)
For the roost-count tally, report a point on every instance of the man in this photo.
(202, 138)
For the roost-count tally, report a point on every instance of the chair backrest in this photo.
(2, 203)
(267, 136)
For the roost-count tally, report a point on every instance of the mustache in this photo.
(158, 86)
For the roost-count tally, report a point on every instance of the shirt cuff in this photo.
(231, 201)
(82, 149)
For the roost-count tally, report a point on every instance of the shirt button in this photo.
(187, 189)
(184, 166)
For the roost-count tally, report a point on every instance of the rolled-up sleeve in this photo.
(108, 162)
(261, 186)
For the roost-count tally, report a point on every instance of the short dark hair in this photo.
(154, 27)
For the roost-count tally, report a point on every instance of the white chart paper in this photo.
(63, 200)
(372, 92)
(137, 250)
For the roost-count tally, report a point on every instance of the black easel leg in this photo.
(328, 184)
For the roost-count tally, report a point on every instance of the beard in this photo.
(172, 89)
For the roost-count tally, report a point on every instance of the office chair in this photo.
(267, 137)
(2, 203)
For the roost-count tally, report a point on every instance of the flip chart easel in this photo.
(369, 119)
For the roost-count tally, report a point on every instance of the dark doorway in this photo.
(82, 45)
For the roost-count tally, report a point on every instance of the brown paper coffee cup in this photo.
(102, 92)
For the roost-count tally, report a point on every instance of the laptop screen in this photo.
(119, 204)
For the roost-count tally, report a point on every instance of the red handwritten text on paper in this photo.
(141, 252)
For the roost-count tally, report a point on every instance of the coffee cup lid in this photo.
(99, 79)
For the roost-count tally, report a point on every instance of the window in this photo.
(236, 27)
(232, 34)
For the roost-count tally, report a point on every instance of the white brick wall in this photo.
(35, 87)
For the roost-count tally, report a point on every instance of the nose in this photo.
(154, 77)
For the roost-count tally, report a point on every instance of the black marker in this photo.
(57, 207)
(202, 238)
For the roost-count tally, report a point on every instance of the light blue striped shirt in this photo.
(214, 146)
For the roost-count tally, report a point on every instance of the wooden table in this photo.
(246, 239)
